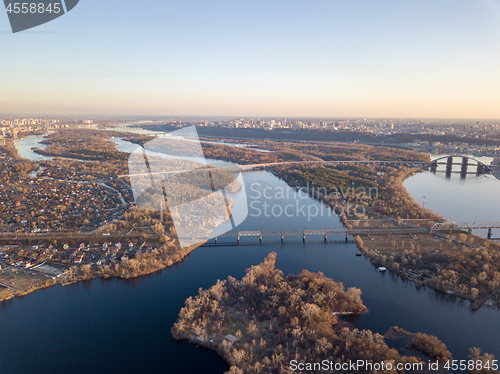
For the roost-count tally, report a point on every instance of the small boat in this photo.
(382, 269)
(359, 254)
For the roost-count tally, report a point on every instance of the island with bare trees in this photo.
(271, 323)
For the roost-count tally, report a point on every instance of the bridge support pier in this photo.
(325, 237)
(238, 238)
(490, 234)
(346, 237)
(282, 238)
(463, 171)
(434, 166)
(449, 167)
(304, 237)
(215, 240)
(480, 169)
(469, 231)
(260, 238)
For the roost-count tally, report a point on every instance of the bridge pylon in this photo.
(463, 170)
(480, 169)
(434, 166)
(449, 167)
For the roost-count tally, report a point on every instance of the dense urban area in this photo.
(441, 136)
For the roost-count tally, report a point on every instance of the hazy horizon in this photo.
(136, 117)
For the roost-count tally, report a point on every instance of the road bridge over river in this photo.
(448, 161)
(465, 163)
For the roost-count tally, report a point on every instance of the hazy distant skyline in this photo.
(290, 58)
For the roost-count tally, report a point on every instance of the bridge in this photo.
(481, 168)
(450, 226)
(260, 234)
(126, 128)
(410, 230)
(238, 168)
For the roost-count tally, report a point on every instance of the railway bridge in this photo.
(410, 230)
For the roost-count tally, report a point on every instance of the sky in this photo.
(289, 58)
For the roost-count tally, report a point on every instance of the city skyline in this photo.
(323, 59)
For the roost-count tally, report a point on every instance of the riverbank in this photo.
(127, 269)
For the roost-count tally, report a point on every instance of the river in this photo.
(25, 145)
(473, 199)
(122, 326)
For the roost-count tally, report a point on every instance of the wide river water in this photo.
(122, 326)
(473, 199)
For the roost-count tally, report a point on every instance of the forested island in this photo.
(269, 323)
